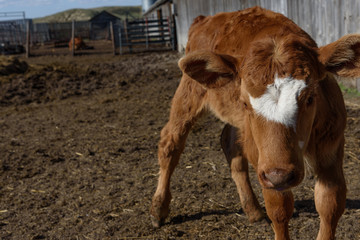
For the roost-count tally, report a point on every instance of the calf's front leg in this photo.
(330, 197)
(279, 208)
(186, 107)
(240, 173)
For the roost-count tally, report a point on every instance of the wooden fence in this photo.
(13, 31)
(133, 36)
(145, 34)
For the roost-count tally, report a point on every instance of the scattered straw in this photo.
(352, 104)
(352, 155)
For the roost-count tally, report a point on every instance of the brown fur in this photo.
(78, 43)
(230, 56)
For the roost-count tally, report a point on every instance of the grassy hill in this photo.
(80, 14)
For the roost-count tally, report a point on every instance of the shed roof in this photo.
(104, 13)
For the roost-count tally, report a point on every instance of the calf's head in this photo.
(278, 80)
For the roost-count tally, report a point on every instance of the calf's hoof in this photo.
(156, 223)
(159, 211)
(256, 216)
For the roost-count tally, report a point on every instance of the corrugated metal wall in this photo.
(324, 20)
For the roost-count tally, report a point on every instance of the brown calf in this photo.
(259, 72)
(78, 43)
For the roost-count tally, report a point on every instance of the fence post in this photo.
(147, 33)
(120, 41)
(73, 38)
(112, 37)
(28, 39)
(171, 34)
(128, 43)
(160, 22)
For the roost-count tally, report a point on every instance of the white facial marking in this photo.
(301, 144)
(279, 102)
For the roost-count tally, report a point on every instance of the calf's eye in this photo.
(245, 105)
(310, 100)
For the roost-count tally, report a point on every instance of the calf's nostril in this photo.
(267, 182)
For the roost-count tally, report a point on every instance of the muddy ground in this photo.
(78, 140)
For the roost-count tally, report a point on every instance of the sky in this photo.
(42, 8)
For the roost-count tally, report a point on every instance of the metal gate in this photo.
(147, 34)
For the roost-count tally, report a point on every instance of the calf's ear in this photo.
(209, 69)
(342, 57)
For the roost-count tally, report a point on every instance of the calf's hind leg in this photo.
(186, 107)
(240, 173)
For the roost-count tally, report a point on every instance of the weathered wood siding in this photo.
(324, 20)
(165, 9)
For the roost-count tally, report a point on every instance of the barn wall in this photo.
(165, 12)
(165, 8)
(324, 20)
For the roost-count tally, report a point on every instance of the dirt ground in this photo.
(78, 142)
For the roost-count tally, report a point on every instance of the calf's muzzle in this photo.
(279, 179)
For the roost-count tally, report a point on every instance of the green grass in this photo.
(351, 92)
(80, 14)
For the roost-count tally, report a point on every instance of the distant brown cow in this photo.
(259, 72)
(78, 43)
